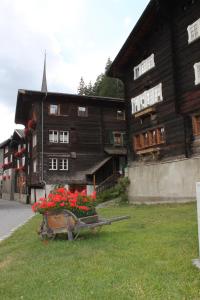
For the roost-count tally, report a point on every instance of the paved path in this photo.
(12, 215)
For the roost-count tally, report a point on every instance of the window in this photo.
(11, 158)
(23, 161)
(28, 147)
(53, 136)
(63, 164)
(82, 111)
(144, 66)
(54, 109)
(6, 160)
(118, 138)
(120, 115)
(149, 138)
(53, 164)
(64, 137)
(197, 73)
(34, 165)
(6, 149)
(28, 170)
(137, 142)
(196, 125)
(19, 148)
(34, 140)
(148, 98)
(193, 31)
(18, 164)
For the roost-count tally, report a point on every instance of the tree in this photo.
(81, 87)
(104, 86)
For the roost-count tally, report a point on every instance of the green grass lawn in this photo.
(146, 257)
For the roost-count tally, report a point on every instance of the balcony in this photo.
(145, 112)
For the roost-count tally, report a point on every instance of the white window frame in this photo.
(18, 164)
(28, 148)
(6, 160)
(55, 136)
(145, 65)
(19, 148)
(193, 28)
(34, 140)
(82, 111)
(54, 109)
(147, 98)
(64, 164)
(64, 137)
(34, 165)
(11, 157)
(53, 164)
(197, 73)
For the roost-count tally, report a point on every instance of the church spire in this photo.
(44, 78)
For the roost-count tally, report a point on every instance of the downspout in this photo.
(42, 146)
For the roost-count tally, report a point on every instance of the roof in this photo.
(97, 166)
(116, 151)
(132, 44)
(25, 97)
(5, 143)
(20, 133)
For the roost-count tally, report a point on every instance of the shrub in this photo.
(118, 191)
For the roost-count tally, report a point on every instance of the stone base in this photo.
(196, 262)
(166, 182)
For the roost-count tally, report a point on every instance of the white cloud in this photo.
(128, 21)
(7, 122)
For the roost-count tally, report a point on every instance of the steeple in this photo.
(44, 78)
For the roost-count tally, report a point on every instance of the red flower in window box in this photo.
(22, 150)
(4, 177)
(31, 124)
(26, 131)
(8, 177)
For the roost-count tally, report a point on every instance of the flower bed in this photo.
(81, 204)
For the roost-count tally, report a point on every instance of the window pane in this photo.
(54, 109)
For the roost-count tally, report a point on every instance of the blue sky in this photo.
(78, 36)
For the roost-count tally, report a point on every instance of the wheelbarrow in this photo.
(64, 221)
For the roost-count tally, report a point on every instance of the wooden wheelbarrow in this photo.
(55, 222)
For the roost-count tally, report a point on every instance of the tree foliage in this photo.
(104, 86)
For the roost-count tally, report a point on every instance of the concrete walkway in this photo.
(12, 216)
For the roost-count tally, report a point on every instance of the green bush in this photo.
(119, 191)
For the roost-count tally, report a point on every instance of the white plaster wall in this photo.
(169, 181)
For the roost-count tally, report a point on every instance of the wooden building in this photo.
(72, 140)
(160, 67)
(14, 167)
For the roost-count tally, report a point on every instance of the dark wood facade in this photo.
(73, 140)
(163, 130)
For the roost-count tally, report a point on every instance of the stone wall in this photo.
(173, 181)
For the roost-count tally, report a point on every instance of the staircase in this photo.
(108, 183)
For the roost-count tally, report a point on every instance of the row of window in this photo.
(56, 136)
(149, 138)
(146, 65)
(82, 111)
(147, 98)
(193, 31)
(58, 164)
